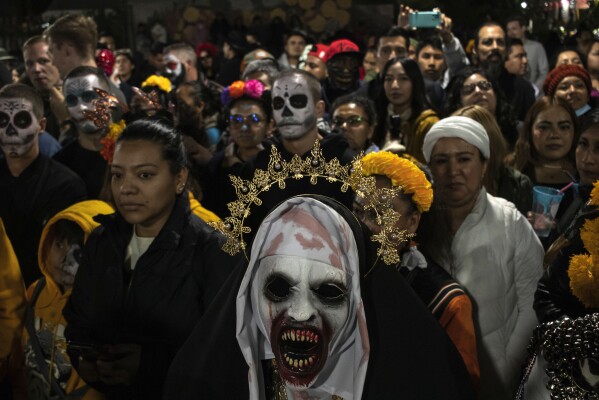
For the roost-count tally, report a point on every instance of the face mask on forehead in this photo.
(18, 127)
(79, 97)
(293, 107)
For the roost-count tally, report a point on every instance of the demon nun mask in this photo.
(300, 305)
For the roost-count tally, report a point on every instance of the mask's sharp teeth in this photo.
(289, 361)
(293, 335)
(295, 363)
(315, 338)
(303, 337)
(301, 363)
(311, 360)
(283, 336)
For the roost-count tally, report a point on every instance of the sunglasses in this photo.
(353, 122)
(484, 86)
(237, 121)
(87, 97)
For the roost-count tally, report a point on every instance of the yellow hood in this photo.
(82, 214)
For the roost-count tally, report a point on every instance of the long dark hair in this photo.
(419, 101)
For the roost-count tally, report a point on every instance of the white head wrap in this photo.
(459, 127)
(306, 227)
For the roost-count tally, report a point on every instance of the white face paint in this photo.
(293, 107)
(70, 265)
(304, 305)
(19, 127)
(79, 96)
(172, 66)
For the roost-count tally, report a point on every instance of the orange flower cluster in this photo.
(402, 172)
(236, 89)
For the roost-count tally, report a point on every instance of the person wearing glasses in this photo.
(82, 155)
(405, 115)
(474, 86)
(249, 116)
(354, 116)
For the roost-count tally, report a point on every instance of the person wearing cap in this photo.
(294, 47)
(343, 60)
(316, 61)
(487, 246)
(7, 59)
(207, 53)
(572, 83)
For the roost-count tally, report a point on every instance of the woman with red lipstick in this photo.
(406, 114)
(148, 272)
(545, 150)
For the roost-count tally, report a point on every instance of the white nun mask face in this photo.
(19, 127)
(70, 265)
(79, 95)
(304, 304)
(293, 107)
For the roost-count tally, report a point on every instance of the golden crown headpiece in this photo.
(314, 167)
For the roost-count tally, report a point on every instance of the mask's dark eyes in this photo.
(277, 288)
(4, 119)
(22, 119)
(71, 100)
(330, 293)
(89, 95)
(298, 100)
(278, 103)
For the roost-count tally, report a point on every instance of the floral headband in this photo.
(402, 172)
(238, 89)
(160, 82)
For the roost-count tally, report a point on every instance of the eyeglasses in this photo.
(484, 86)
(353, 122)
(237, 121)
(399, 51)
(88, 96)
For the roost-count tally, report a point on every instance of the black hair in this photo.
(516, 18)
(84, 70)
(67, 230)
(363, 101)
(159, 132)
(21, 91)
(419, 101)
(589, 119)
(395, 31)
(265, 102)
(511, 42)
(485, 25)
(201, 93)
(433, 41)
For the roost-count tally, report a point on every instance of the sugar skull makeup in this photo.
(293, 107)
(79, 96)
(19, 127)
(305, 304)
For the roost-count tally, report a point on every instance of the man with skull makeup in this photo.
(82, 156)
(296, 106)
(33, 186)
(43, 350)
(180, 63)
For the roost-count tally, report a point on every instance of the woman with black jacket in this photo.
(147, 273)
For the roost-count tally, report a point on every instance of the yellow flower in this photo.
(109, 141)
(402, 172)
(584, 279)
(159, 81)
(595, 194)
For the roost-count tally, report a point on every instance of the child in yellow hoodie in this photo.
(43, 357)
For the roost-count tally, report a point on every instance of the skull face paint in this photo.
(19, 127)
(63, 261)
(172, 67)
(304, 304)
(293, 107)
(79, 96)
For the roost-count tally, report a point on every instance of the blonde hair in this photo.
(497, 143)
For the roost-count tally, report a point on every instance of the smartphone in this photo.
(425, 19)
(89, 351)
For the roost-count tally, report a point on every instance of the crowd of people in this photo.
(222, 221)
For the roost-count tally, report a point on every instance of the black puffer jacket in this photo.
(553, 298)
(155, 306)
